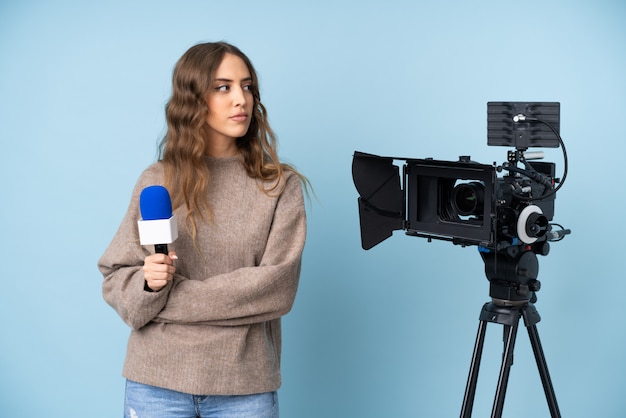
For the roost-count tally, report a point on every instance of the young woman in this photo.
(205, 319)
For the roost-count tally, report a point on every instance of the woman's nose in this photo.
(239, 96)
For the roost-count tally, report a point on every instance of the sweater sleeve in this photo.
(121, 265)
(250, 294)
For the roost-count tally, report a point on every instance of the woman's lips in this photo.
(240, 117)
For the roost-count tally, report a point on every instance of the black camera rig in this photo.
(509, 218)
(465, 202)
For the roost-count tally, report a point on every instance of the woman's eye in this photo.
(247, 87)
(223, 87)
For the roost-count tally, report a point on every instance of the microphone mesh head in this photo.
(155, 203)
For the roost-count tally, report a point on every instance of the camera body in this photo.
(459, 201)
(467, 203)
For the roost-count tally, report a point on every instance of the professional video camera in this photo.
(465, 202)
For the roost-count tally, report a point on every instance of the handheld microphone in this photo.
(158, 225)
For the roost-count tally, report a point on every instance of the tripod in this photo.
(510, 301)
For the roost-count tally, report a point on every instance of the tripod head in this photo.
(512, 274)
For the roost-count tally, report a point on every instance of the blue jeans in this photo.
(144, 401)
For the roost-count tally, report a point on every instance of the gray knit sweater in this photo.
(215, 329)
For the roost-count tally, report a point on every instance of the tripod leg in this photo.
(507, 361)
(470, 389)
(542, 365)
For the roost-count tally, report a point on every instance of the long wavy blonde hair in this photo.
(182, 150)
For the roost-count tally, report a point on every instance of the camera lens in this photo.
(468, 198)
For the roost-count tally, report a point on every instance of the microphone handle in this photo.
(159, 249)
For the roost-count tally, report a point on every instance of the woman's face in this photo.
(230, 103)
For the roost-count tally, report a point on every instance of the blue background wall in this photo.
(383, 333)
